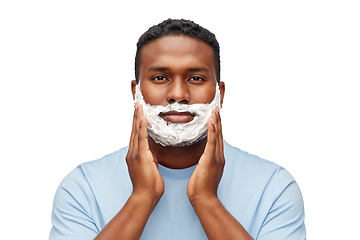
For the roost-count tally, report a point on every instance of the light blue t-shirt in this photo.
(261, 195)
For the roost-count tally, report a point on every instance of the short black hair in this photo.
(178, 27)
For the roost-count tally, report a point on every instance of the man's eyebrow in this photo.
(198, 69)
(191, 69)
(158, 69)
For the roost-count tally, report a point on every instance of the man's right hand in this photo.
(142, 164)
(148, 185)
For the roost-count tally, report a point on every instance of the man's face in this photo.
(177, 69)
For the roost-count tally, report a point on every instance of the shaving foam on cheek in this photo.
(177, 134)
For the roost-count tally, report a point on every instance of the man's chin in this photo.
(160, 141)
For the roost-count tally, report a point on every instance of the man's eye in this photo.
(159, 78)
(196, 79)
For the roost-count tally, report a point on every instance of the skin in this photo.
(177, 69)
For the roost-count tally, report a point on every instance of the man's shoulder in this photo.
(108, 160)
(112, 166)
(237, 157)
(86, 171)
(254, 170)
(265, 191)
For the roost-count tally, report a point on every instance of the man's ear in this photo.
(133, 88)
(222, 92)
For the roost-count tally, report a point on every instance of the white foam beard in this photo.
(177, 134)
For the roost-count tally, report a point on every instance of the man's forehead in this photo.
(176, 45)
(164, 53)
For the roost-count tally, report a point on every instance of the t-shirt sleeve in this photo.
(72, 209)
(285, 219)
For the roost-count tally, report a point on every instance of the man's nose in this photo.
(178, 92)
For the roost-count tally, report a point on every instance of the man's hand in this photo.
(204, 182)
(216, 221)
(142, 164)
(148, 185)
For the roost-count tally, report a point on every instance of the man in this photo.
(180, 180)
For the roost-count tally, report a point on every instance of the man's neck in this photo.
(177, 157)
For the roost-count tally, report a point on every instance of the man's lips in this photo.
(177, 117)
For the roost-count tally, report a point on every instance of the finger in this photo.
(219, 120)
(143, 141)
(218, 132)
(212, 129)
(210, 147)
(132, 136)
(219, 125)
(220, 143)
(138, 119)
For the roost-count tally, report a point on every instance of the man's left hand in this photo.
(204, 182)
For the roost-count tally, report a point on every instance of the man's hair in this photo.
(174, 27)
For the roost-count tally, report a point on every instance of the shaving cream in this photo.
(177, 134)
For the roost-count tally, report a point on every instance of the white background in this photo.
(291, 68)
